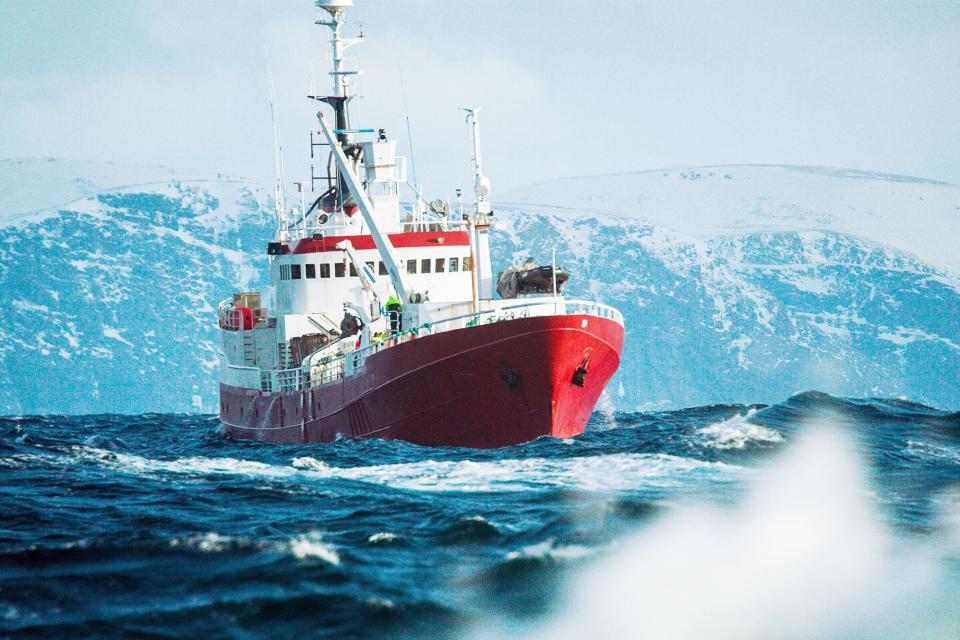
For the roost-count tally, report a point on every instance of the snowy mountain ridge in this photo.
(737, 283)
(907, 214)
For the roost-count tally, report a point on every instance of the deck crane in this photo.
(369, 283)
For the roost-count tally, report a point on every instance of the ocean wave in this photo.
(384, 538)
(471, 530)
(210, 542)
(550, 550)
(612, 472)
(737, 432)
(936, 452)
(305, 546)
(27, 460)
(310, 546)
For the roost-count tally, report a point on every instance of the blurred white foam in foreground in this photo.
(805, 555)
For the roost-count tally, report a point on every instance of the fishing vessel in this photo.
(381, 320)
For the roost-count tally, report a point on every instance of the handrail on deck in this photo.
(310, 374)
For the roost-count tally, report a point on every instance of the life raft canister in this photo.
(241, 318)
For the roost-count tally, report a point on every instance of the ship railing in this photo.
(228, 320)
(319, 371)
(412, 225)
(591, 308)
(500, 311)
(325, 373)
(506, 310)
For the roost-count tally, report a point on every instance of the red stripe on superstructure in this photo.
(399, 241)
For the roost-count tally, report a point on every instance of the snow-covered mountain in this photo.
(738, 283)
(749, 283)
(110, 277)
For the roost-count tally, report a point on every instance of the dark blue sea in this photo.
(819, 517)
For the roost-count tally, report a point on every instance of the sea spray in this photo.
(806, 554)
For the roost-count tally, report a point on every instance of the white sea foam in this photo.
(312, 464)
(549, 549)
(615, 472)
(11, 462)
(943, 453)
(305, 546)
(805, 555)
(22, 460)
(210, 542)
(381, 603)
(382, 537)
(737, 432)
(311, 546)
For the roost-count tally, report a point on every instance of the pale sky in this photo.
(568, 88)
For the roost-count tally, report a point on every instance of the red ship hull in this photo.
(487, 386)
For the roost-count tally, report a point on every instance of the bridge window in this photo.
(353, 271)
(440, 265)
(311, 271)
(295, 271)
(425, 265)
(383, 268)
(466, 264)
(339, 269)
(372, 266)
(324, 270)
(411, 266)
(454, 264)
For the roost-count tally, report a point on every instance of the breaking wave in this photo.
(612, 472)
(738, 432)
(304, 546)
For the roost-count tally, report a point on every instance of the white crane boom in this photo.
(367, 278)
(380, 239)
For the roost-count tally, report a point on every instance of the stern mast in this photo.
(480, 232)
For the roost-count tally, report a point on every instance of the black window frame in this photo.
(454, 265)
(411, 266)
(295, 271)
(311, 271)
(425, 264)
(440, 265)
(339, 270)
(324, 270)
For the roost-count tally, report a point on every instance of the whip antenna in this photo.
(279, 197)
(406, 115)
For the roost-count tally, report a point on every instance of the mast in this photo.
(341, 97)
(481, 223)
(481, 183)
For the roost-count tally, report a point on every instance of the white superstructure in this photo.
(351, 270)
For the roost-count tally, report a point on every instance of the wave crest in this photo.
(737, 432)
